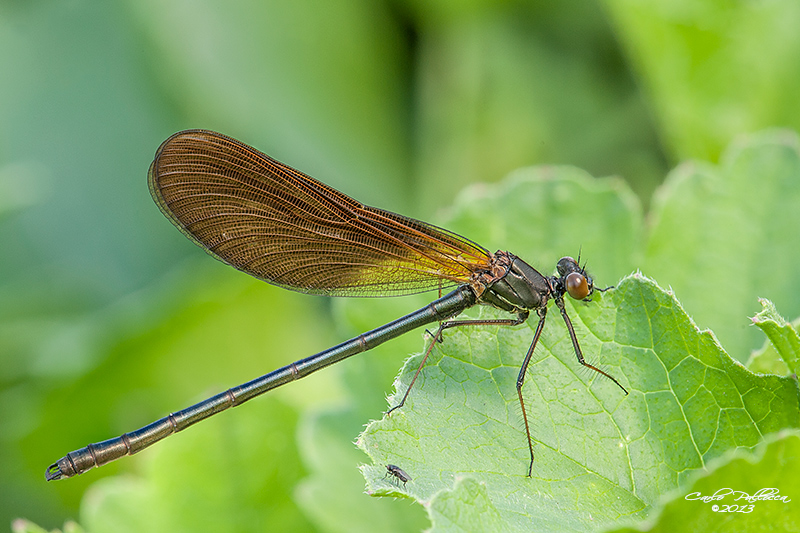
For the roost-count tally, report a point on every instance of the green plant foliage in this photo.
(771, 469)
(600, 456)
(697, 400)
(570, 211)
(782, 335)
(559, 202)
(713, 69)
(724, 235)
(107, 321)
(767, 360)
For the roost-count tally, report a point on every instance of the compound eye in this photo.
(566, 265)
(577, 286)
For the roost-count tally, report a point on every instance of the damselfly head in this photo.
(577, 282)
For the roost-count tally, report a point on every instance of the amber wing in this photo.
(286, 228)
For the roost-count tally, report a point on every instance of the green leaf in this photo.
(600, 456)
(541, 212)
(782, 335)
(713, 69)
(326, 445)
(689, 402)
(768, 474)
(767, 361)
(380, 92)
(470, 496)
(722, 236)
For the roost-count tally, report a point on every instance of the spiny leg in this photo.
(542, 312)
(391, 478)
(437, 337)
(576, 346)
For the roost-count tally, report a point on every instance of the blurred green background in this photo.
(110, 318)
